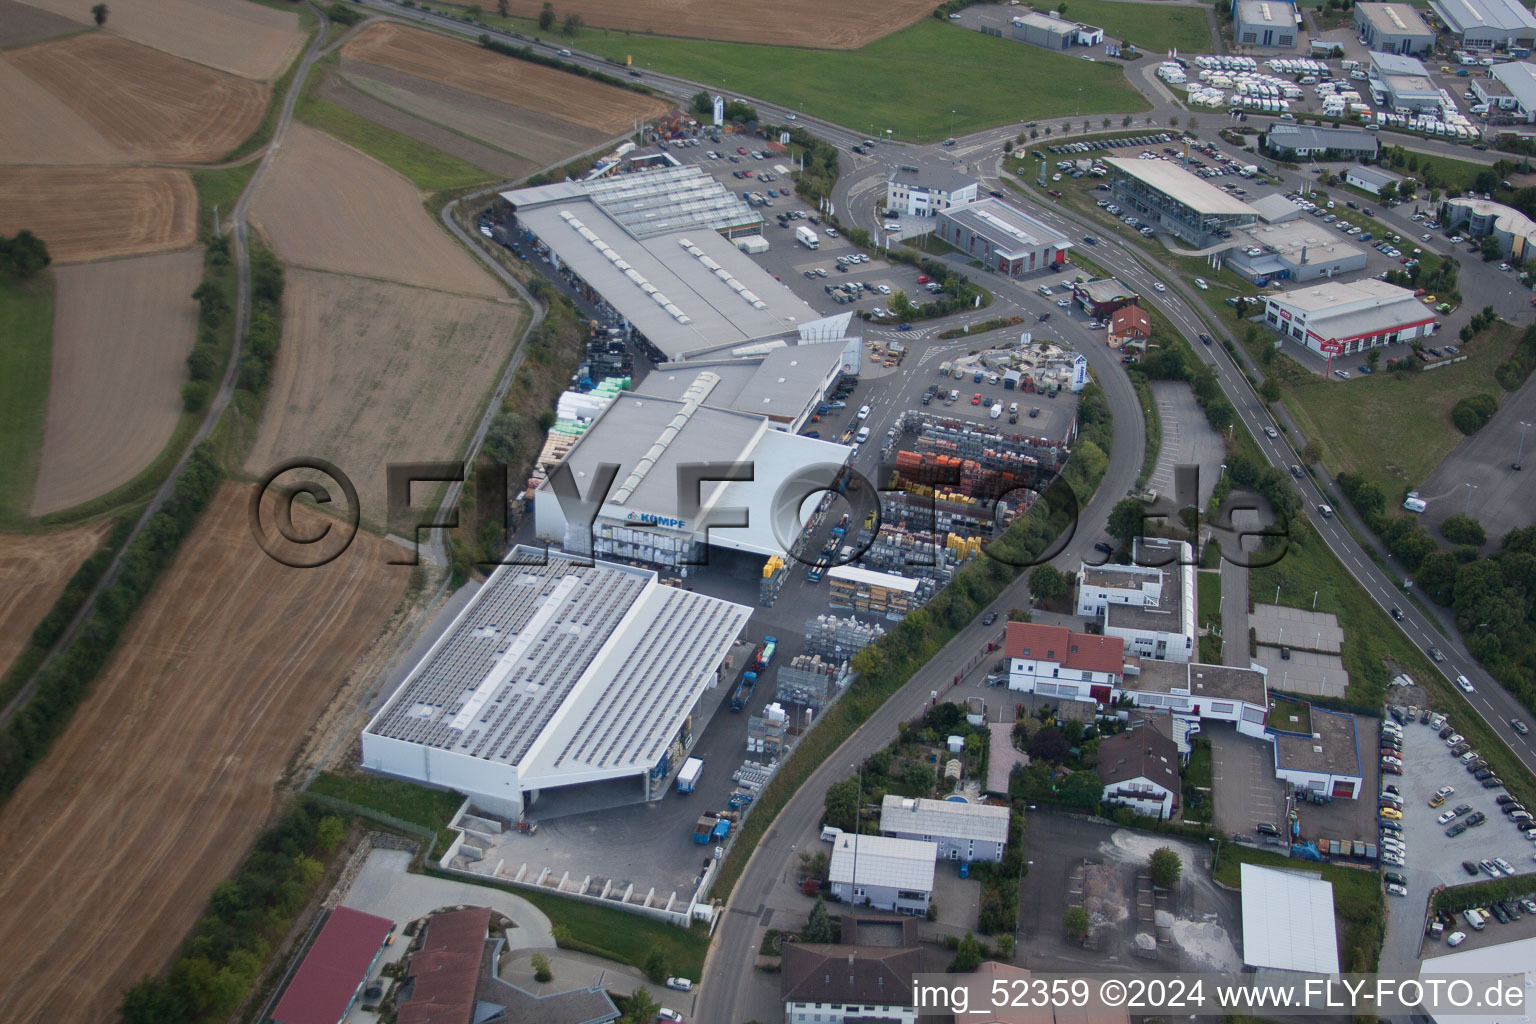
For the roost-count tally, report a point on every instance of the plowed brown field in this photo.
(840, 26)
(520, 83)
(86, 213)
(121, 333)
(371, 373)
(325, 205)
(33, 571)
(38, 128)
(165, 774)
(238, 36)
(149, 104)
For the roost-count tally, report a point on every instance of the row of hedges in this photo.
(246, 916)
(531, 55)
(62, 685)
(1479, 894)
(981, 328)
(885, 667)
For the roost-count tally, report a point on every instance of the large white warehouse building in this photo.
(553, 676)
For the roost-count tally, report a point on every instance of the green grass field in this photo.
(1159, 27)
(926, 82)
(26, 325)
(429, 169)
(428, 808)
(1393, 429)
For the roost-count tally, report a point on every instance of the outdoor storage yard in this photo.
(165, 774)
(844, 26)
(372, 373)
(540, 105)
(33, 571)
(148, 104)
(321, 206)
(248, 39)
(151, 208)
(121, 333)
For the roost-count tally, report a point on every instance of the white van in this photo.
(565, 53)
(1475, 919)
(829, 834)
(997, 410)
(861, 436)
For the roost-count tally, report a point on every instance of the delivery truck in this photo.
(806, 237)
(688, 777)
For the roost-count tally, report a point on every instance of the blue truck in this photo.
(743, 691)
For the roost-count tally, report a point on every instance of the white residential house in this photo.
(960, 831)
(1140, 767)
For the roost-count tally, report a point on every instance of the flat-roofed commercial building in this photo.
(649, 512)
(1150, 604)
(1288, 922)
(1487, 24)
(1480, 217)
(1518, 79)
(653, 246)
(1336, 319)
(553, 676)
(1393, 28)
(964, 832)
(1003, 237)
(1221, 693)
(1266, 23)
(1045, 30)
(924, 187)
(1403, 84)
(882, 872)
(1177, 201)
(1298, 250)
(1294, 140)
(1327, 761)
(1372, 179)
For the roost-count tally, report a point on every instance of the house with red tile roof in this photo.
(1055, 662)
(334, 969)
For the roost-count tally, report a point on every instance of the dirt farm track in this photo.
(152, 208)
(840, 26)
(33, 571)
(165, 775)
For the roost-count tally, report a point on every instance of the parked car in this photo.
(680, 984)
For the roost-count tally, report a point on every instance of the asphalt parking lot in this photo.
(1246, 791)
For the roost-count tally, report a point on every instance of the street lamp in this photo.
(1520, 452)
(1470, 488)
(858, 806)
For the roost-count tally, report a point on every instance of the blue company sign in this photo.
(654, 520)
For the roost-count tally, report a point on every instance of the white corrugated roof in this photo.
(946, 818)
(1288, 921)
(1171, 179)
(899, 863)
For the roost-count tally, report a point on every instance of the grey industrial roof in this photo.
(1377, 320)
(898, 863)
(1288, 921)
(653, 202)
(565, 668)
(1278, 13)
(688, 291)
(1275, 207)
(1410, 85)
(777, 383)
(1394, 19)
(933, 175)
(1010, 230)
(1462, 15)
(950, 819)
(1320, 296)
(1204, 682)
(1290, 238)
(1397, 64)
(1058, 26)
(1333, 746)
(1520, 79)
(1292, 136)
(1374, 175)
(1172, 180)
(1107, 289)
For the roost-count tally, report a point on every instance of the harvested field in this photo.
(33, 570)
(473, 69)
(492, 161)
(38, 128)
(150, 105)
(150, 209)
(165, 775)
(21, 24)
(325, 205)
(371, 373)
(843, 26)
(544, 139)
(121, 333)
(244, 38)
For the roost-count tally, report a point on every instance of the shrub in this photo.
(1472, 413)
(542, 972)
(1463, 529)
(1165, 867)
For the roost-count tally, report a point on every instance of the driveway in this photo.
(384, 887)
(1243, 781)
